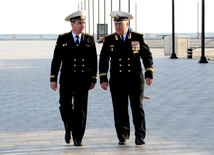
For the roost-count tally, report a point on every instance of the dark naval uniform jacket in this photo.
(78, 64)
(78, 69)
(126, 79)
(125, 57)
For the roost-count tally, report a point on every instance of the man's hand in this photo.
(54, 85)
(92, 86)
(104, 85)
(149, 81)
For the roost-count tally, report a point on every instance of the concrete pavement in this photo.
(179, 115)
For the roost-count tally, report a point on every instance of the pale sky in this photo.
(153, 16)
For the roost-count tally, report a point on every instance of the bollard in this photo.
(189, 53)
(14, 36)
(41, 36)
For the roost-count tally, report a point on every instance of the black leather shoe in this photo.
(67, 138)
(78, 142)
(122, 141)
(139, 140)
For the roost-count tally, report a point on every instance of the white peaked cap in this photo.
(120, 16)
(79, 16)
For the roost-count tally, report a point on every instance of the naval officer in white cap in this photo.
(76, 58)
(125, 49)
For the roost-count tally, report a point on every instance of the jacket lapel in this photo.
(71, 40)
(117, 37)
(82, 39)
(129, 34)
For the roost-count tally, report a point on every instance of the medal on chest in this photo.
(112, 48)
(135, 46)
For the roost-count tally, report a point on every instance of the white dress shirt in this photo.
(75, 38)
(124, 36)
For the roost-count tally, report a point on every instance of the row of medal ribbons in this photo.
(135, 45)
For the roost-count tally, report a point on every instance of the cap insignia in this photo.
(117, 17)
(82, 16)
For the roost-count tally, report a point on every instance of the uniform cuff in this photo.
(94, 79)
(149, 74)
(53, 78)
(103, 79)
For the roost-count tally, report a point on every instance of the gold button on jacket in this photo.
(125, 57)
(75, 63)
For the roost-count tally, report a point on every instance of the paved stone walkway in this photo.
(179, 115)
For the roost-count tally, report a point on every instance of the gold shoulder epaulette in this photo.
(136, 32)
(64, 34)
(111, 34)
(88, 34)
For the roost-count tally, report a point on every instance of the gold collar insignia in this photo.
(130, 35)
(116, 37)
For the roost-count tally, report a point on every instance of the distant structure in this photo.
(103, 26)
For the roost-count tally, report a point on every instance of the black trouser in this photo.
(121, 90)
(74, 114)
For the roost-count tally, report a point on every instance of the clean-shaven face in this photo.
(78, 27)
(121, 28)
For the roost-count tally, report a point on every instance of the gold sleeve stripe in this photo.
(146, 97)
(149, 69)
(52, 76)
(103, 74)
(94, 77)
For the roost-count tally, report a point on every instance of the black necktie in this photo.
(122, 38)
(77, 41)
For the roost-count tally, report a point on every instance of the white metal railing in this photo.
(54, 36)
(28, 36)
